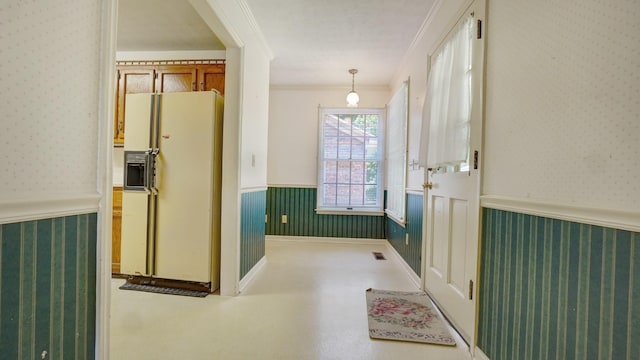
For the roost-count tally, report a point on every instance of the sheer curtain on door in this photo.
(444, 141)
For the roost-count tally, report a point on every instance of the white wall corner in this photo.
(231, 170)
(213, 14)
(232, 22)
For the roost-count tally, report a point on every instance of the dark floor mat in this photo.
(163, 290)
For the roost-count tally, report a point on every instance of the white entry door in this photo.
(452, 247)
(452, 191)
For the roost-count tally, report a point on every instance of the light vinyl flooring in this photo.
(306, 302)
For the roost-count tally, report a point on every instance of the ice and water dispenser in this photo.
(135, 170)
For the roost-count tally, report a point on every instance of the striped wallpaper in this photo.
(411, 253)
(48, 288)
(553, 289)
(252, 230)
(299, 206)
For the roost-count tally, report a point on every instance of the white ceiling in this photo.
(314, 42)
(162, 25)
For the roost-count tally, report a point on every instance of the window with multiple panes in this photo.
(350, 160)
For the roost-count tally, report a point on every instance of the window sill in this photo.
(343, 211)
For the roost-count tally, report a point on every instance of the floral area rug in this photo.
(405, 316)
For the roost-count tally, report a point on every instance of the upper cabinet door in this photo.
(176, 78)
(131, 80)
(211, 77)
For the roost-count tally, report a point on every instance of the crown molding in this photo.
(255, 28)
(302, 87)
(419, 36)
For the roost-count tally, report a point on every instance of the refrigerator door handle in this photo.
(152, 171)
(154, 135)
(148, 172)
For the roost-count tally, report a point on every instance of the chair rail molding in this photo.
(612, 218)
(36, 208)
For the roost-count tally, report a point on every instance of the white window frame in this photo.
(378, 208)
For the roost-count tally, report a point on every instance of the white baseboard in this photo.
(479, 354)
(250, 276)
(29, 209)
(410, 273)
(329, 240)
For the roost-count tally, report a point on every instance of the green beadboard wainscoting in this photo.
(252, 230)
(554, 289)
(48, 288)
(412, 252)
(299, 205)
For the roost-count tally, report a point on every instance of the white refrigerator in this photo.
(172, 187)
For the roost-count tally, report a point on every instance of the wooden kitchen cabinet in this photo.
(163, 76)
(131, 80)
(116, 229)
(211, 77)
(176, 78)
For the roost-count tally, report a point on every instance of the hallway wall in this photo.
(560, 190)
(554, 289)
(560, 142)
(561, 102)
(50, 100)
(48, 288)
(49, 179)
(298, 204)
(293, 128)
(252, 230)
(407, 240)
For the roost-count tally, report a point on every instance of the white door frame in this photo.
(481, 5)
(230, 249)
(105, 176)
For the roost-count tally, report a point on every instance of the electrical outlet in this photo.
(266, 218)
(406, 239)
(284, 219)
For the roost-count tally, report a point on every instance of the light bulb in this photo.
(353, 99)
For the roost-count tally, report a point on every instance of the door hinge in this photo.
(119, 75)
(479, 30)
(475, 160)
(470, 289)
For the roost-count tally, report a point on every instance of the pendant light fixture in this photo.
(352, 96)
